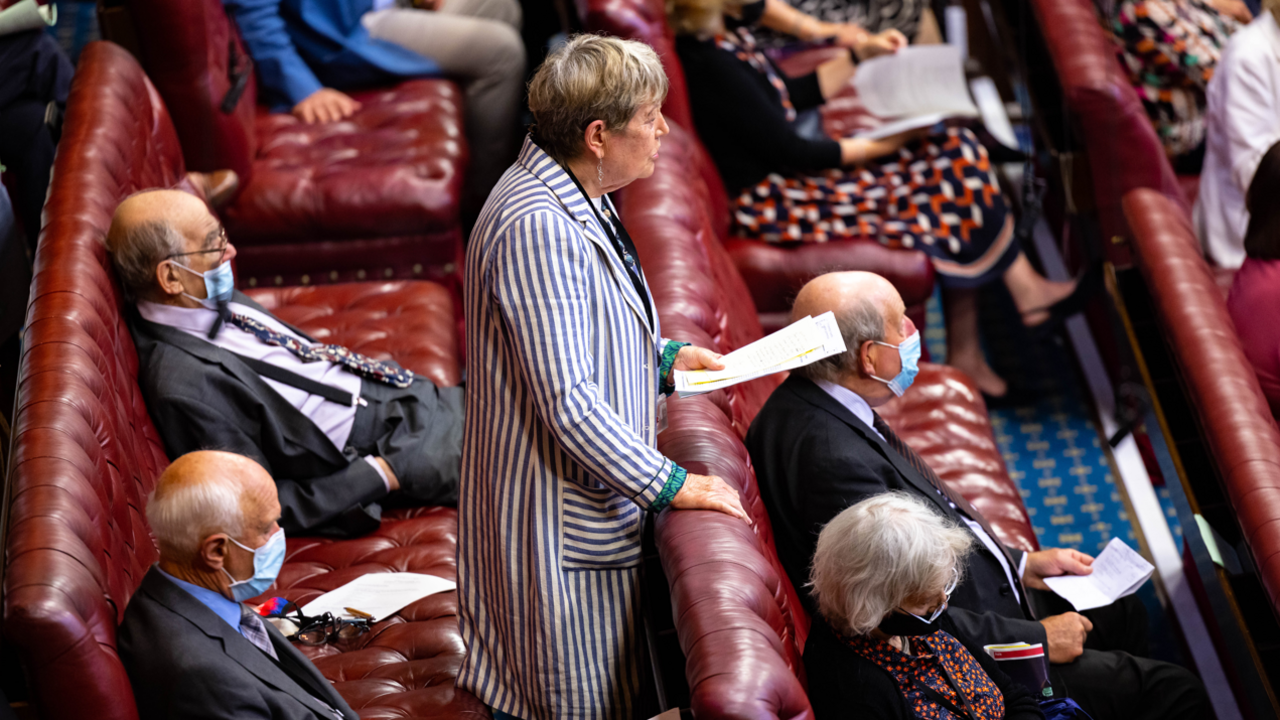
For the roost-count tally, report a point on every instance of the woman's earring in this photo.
(600, 171)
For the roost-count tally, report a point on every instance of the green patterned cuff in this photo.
(668, 493)
(669, 352)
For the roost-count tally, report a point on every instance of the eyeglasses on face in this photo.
(950, 588)
(221, 249)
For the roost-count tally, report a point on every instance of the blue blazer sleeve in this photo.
(544, 296)
(281, 70)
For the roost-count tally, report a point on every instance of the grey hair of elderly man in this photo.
(881, 553)
(203, 501)
(868, 310)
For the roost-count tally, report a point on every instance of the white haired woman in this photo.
(882, 574)
(568, 366)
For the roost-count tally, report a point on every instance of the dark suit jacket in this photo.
(186, 663)
(202, 397)
(814, 458)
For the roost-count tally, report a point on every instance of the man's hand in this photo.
(325, 105)
(884, 43)
(1235, 9)
(1065, 634)
(1052, 563)
(708, 492)
(392, 480)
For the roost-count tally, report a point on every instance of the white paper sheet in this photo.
(916, 80)
(800, 343)
(379, 594)
(897, 126)
(26, 15)
(1117, 571)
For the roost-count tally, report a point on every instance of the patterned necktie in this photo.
(362, 365)
(254, 631)
(957, 500)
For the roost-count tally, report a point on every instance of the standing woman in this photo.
(567, 371)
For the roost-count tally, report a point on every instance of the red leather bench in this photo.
(738, 619)
(1124, 152)
(774, 272)
(372, 197)
(1232, 412)
(85, 453)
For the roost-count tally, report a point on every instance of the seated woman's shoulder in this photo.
(842, 683)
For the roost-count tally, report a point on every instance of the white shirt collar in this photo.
(852, 401)
(195, 320)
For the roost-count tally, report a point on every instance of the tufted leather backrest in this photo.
(740, 622)
(85, 453)
(1233, 412)
(188, 48)
(1124, 152)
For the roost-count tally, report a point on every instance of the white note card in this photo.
(1117, 571)
(27, 15)
(379, 594)
(807, 340)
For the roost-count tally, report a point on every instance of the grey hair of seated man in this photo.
(884, 552)
(200, 494)
(861, 302)
(146, 230)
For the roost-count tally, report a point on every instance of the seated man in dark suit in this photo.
(340, 432)
(191, 648)
(818, 447)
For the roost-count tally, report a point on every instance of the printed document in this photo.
(916, 87)
(1117, 571)
(800, 343)
(27, 15)
(379, 594)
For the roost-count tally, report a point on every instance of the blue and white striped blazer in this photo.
(558, 456)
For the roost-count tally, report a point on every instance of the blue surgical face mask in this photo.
(219, 283)
(909, 352)
(267, 561)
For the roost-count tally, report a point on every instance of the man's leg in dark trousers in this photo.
(418, 431)
(1113, 680)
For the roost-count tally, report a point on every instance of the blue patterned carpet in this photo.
(1050, 443)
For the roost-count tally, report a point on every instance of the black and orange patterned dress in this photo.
(941, 679)
(1170, 48)
(936, 194)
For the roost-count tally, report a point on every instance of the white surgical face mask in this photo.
(219, 283)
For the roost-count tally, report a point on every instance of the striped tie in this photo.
(958, 502)
(252, 629)
(362, 365)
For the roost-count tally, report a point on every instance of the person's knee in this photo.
(505, 56)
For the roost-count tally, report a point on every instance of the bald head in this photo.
(838, 292)
(208, 492)
(150, 226)
(868, 311)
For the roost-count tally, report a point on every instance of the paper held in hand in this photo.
(796, 345)
(27, 15)
(1117, 571)
(916, 87)
(379, 594)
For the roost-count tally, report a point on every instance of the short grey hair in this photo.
(859, 321)
(184, 516)
(874, 556)
(589, 78)
(137, 251)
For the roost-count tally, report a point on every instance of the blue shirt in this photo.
(228, 610)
